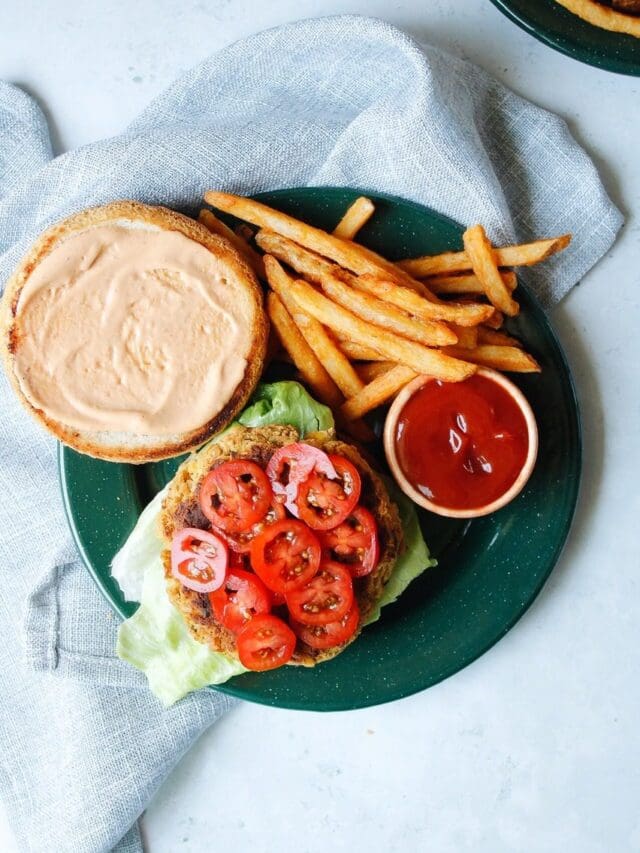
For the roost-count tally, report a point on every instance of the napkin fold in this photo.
(83, 743)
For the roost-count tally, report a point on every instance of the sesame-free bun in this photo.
(236, 276)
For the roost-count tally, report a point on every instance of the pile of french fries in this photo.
(359, 327)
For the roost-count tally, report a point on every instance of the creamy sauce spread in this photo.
(131, 328)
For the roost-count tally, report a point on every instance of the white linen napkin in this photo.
(83, 743)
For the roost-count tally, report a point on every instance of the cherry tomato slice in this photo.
(239, 599)
(265, 642)
(330, 635)
(323, 503)
(285, 555)
(235, 495)
(198, 559)
(354, 542)
(326, 598)
(238, 560)
(292, 464)
(241, 542)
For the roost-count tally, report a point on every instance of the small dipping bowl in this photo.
(390, 448)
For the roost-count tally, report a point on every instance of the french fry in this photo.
(357, 306)
(357, 215)
(324, 347)
(409, 353)
(480, 253)
(497, 339)
(373, 310)
(468, 283)
(511, 359)
(347, 254)
(358, 352)
(462, 314)
(523, 255)
(370, 370)
(217, 226)
(467, 336)
(316, 268)
(301, 354)
(320, 384)
(309, 264)
(244, 231)
(495, 321)
(331, 356)
(377, 392)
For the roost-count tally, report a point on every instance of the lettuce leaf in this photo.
(286, 403)
(413, 560)
(143, 546)
(156, 639)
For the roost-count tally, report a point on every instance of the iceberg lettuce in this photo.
(157, 641)
(414, 559)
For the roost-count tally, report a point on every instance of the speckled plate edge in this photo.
(576, 51)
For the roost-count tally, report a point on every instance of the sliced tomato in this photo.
(265, 642)
(241, 542)
(198, 559)
(292, 464)
(327, 597)
(323, 503)
(285, 555)
(330, 635)
(353, 542)
(238, 560)
(235, 495)
(241, 597)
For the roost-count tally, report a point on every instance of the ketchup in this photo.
(462, 444)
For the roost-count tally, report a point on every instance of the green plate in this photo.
(490, 569)
(554, 25)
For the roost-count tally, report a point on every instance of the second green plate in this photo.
(554, 25)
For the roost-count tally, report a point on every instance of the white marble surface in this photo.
(536, 746)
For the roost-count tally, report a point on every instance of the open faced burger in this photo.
(276, 549)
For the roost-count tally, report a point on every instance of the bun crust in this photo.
(181, 509)
(122, 446)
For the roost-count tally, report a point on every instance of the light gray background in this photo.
(536, 746)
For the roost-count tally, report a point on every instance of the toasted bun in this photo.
(181, 509)
(127, 446)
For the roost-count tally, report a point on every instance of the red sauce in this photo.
(463, 444)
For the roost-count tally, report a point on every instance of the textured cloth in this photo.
(83, 745)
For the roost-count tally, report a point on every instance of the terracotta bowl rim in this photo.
(519, 483)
